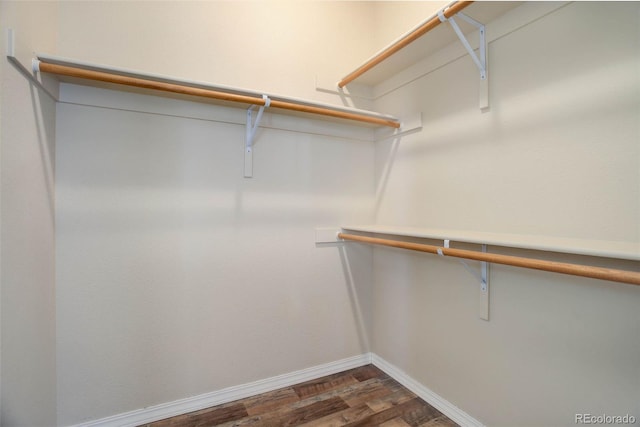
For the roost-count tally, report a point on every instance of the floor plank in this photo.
(313, 411)
(389, 414)
(320, 385)
(342, 418)
(396, 422)
(367, 372)
(270, 401)
(421, 414)
(441, 421)
(206, 417)
(363, 396)
(395, 398)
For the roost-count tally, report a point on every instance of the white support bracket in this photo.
(481, 59)
(326, 235)
(250, 134)
(484, 288)
(408, 124)
(483, 278)
(19, 56)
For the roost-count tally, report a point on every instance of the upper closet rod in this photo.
(82, 73)
(424, 28)
(613, 275)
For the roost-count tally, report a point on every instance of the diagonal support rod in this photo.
(250, 134)
(481, 59)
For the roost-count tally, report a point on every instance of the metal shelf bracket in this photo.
(250, 134)
(480, 59)
(483, 278)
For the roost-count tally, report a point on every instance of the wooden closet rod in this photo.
(613, 275)
(82, 73)
(403, 42)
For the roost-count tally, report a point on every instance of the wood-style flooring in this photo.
(363, 396)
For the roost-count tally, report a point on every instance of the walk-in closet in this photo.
(321, 213)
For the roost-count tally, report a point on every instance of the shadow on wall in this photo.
(46, 141)
(391, 149)
(356, 268)
(359, 293)
(45, 133)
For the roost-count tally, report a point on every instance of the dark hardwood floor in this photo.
(364, 396)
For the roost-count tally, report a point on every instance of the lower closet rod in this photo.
(613, 275)
(82, 73)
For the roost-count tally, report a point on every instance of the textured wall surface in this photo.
(558, 154)
(27, 257)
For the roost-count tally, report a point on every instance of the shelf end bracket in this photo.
(480, 59)
(250, 134)
(483, 278)
(483, 308)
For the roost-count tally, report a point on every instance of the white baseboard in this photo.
(449, 409)
(190, 404)
(195, 403)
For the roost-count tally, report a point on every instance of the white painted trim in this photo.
(432, 398)
(229, 394)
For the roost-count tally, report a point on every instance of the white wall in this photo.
(393, 19)
(276, 46)
(27, 130)
(557, 155)
(177, 276)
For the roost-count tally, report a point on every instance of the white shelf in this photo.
(599, 248)
(51, 59)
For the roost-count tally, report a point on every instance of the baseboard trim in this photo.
(432, 398)
(229, 394)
